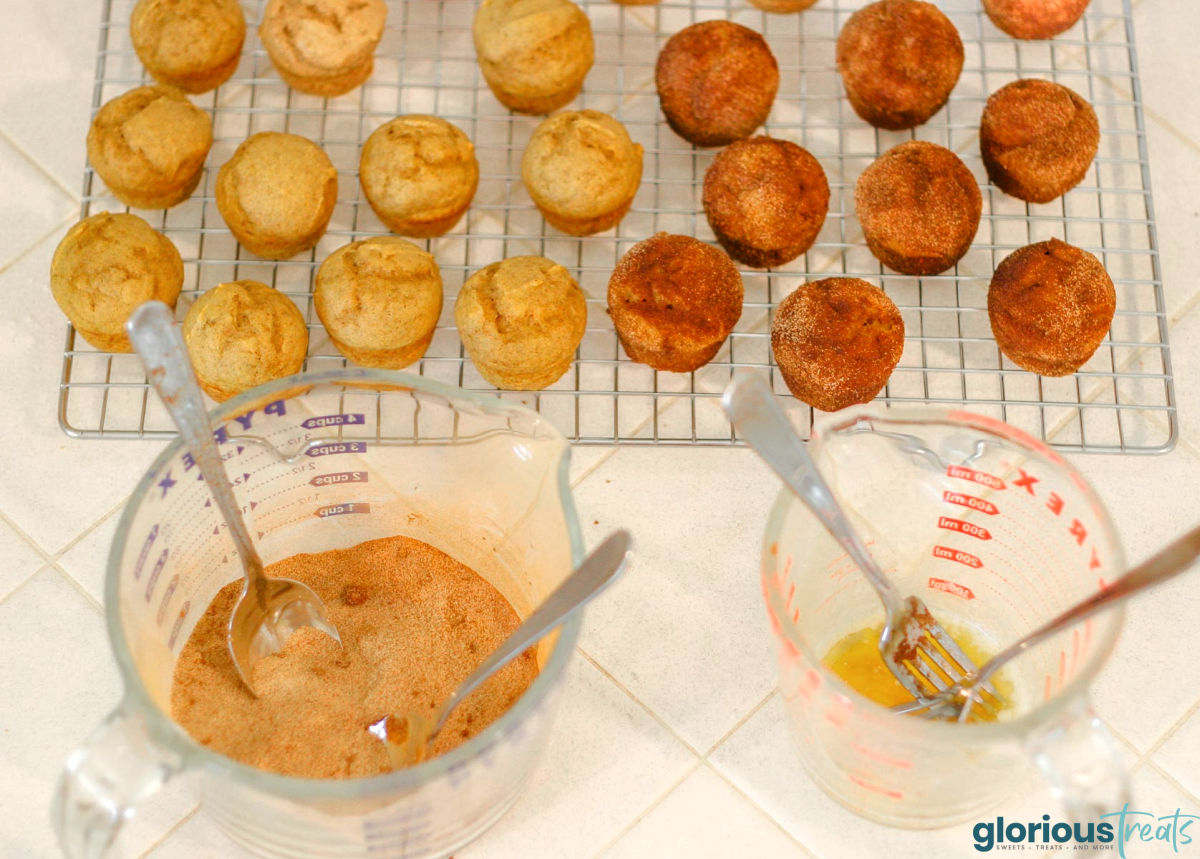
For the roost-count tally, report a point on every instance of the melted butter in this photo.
(857, 661)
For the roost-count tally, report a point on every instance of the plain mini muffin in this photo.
(149, 146)
(765, 200)
(521, 320)
(582, 171)
(379, 299)
(106, 266)
(241, 334)
(1038, 139)
(1034, 19)
(419, 174)
(277, 193)
(899, 60)
(673, 301)
(1050, 305)
(836, 341)
(716, 82)
(534, 54)
(191, 44)
(919, 207)
(323, 47)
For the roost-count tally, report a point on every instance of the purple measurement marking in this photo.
(334, 421)
(339, 477)
(331, 448)
(167, 594)
(156, 572)
(141, 561)
(178, 624)
(340, 509)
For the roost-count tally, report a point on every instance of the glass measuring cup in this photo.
(322, 461)
(996, 533)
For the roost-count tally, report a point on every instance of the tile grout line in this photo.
(22, 585)
(91, 600)
(1165, 776)
(171, 831)
(57, 182)
(740, 722)
(34, 244)
(753, 804)
(1170, 732)
(594, 467)
(646, 811)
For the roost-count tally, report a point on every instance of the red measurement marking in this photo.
(894, 794)
(950, 587)
(875, 754)
(958, 556)
(980, 477)
(968, 528)
(970, 501)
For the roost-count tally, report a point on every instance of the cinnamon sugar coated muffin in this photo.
(899, 60)
(379, 299)
(673, 301)
(582, 171)
(765, 200)
(323, 47)
(1034, 19)
(919, 208)
(1050, 305)
(534, 54)
(716, 82)
(149, 146)
(836, 341)
(419, 173)
(241, 334)
(277, 193)
(191, 44)
(521, 320)
(1038, 139)
(782, 6)
(107, 265)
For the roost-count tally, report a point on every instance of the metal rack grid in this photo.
(426, 64)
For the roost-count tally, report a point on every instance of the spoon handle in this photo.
(591, 577)
(158, 342)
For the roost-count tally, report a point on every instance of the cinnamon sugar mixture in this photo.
(413, 621)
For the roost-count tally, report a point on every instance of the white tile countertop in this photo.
(671, 738)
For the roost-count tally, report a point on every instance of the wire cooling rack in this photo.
(426, 64)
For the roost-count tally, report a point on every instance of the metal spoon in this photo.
(268, 609)
(408, 736)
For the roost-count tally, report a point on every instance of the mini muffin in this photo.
(1038, 139)
(276, 194)
(716, 82)
(106, 266)
(836, 341)
(673, 301)
(191, 44)
(149, 146)
(919, 208)
(582, 171)
(899, 60)
(534, 54)
(1050, 305)
(1034, 19)
(242, 334)
(419, 174)
(521, 320)
(323, 47)
(379, 299)
(782, 6)
(765, 200)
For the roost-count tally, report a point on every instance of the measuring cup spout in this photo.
(1081, 762)
(103, 781)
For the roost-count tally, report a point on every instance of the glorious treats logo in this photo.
(1128, 832)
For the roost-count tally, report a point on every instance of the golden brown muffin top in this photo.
(312, 38)
(179, 38)
(108, 264)
(378, 293)
(532, 45)
(149, 136)
(1034, 19)
(521, 314)
(241, 334)
(418, 166)
(581, 164)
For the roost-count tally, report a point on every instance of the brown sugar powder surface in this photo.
(413, 622)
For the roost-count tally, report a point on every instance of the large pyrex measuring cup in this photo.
(996, 533)
(327, 461)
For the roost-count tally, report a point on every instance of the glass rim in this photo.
(166, 731)
(1111, 620)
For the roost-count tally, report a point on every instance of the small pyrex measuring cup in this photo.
(996, 533)
(325, 461)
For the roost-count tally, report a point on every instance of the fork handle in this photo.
(756, 414)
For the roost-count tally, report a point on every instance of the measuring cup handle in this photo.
(117, 767)
(1082, 763)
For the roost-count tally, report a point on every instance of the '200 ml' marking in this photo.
(341, 509)
(970, 501)
(958, 556)
(337, 447)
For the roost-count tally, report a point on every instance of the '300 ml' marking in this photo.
(968, 528)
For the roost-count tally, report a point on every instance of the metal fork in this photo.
(914, 646)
